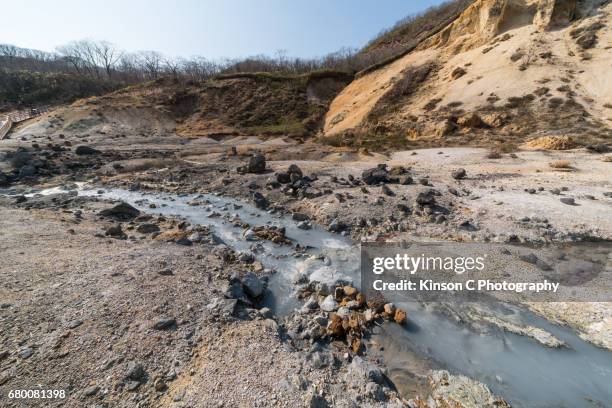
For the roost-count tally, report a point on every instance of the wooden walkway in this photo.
(7, 121)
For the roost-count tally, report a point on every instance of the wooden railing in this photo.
(7, 121)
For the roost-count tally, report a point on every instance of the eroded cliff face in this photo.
(503, 67)
(485, 19)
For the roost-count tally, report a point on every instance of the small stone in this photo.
(147, 228)
(386, 190)
(26, 353)
(459, 174)
(132, 385)
(425, 198)
(299, 217)
(389, 309)
(329, 304)
(400, 316)
(335, 327)
(165, 324)
(160, 385)
(114, 231)
(91, 391)
(265, 312)
(135, 371)
(568, 200)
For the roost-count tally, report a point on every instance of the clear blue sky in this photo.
(210, 28)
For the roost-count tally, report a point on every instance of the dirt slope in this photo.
(243, 104)
(522, 66)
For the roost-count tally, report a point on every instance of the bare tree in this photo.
(150, 62)
(107, 55)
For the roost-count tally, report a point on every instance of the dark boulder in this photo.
(376, 175)
(283, 178)
(147, 228)
(260, 201)
(20, 159)
(122, 211)
(85, 151)
(336, 226)
(257, 164)
(115, 231)
(294, 169)
(27, 171)
(426, 197)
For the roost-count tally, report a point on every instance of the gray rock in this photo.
(386, 190)
(304, 225)
(257, 164)
(311, 304)
(26, 353)
(406, 180)
(328, 304)
(294, 169)
(147, 228)
(226, 307)
(425, 197)
(568, 200)
(459, 174)
(132, 385)
(363, 370)
(376, 175)
(253, 286)
(299, 217)
(135, 371)
(283, 178)
(183, 241)
(234, 291)
(246, 257)
(320, 360)
(375, 391)
(336, 226)
(114, 231)
(265, 312)
(165, 324)
(91, 391)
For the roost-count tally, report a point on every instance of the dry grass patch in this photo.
(552, 143)
(607, 159)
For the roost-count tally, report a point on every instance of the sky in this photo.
(213, 29)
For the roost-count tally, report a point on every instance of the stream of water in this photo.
(523, 371)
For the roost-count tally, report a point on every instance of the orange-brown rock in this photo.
(400, 316)
(335, 326)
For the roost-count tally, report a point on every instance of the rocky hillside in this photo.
(502, 72)
(238, 104)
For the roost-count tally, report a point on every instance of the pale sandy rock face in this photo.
(554, 13)
(544, 55)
